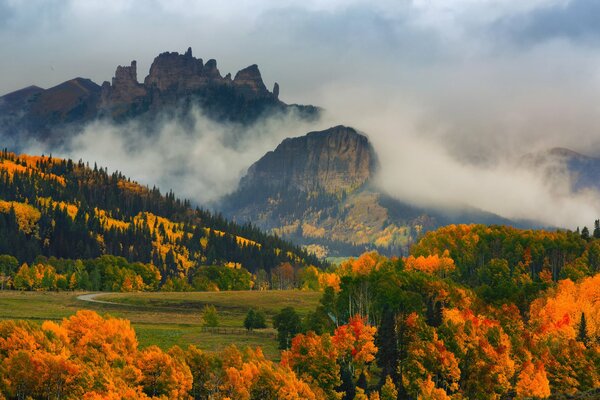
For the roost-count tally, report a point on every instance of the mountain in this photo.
(318, 190)
(315, 190)
(59, 208)
(581, 171)
(175, 83)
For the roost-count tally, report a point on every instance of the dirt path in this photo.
(91, 297)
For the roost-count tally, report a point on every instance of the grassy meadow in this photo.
(166, 318)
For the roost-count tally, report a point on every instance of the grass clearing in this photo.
(166, 319)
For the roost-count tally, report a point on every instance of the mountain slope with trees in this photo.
(66, 210)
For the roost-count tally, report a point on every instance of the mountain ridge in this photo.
(319, 190)
(174, 81)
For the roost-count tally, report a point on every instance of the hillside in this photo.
(318, 190)
(175, 84)
(581, 171)
(59, 208)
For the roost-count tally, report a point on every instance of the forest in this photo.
(474, 312)
(74, 215)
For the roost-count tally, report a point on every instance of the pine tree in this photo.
(585, 233)
(387, 343)
(582, 335)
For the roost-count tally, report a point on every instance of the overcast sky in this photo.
(450, 91)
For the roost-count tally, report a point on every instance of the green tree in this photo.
(210, 316)
(288, 325)
(582, 334)
(8, 267)
(249, 320)
(585, 233)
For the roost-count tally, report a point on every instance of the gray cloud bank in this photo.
(451, 92)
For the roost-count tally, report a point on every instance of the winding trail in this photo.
(91, 297)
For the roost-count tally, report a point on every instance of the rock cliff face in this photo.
(175, 82)
(337, 160)
(181, 79)
(316, 190)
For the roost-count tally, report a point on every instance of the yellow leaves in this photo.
(70, 208)
(309, 230)
(27, 215)
(430, 392)
(328, 279)
(108, 222)
(132, 187)
(16, 166)
(560, 311)
(533, 382)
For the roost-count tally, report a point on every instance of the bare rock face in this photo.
(336, 160)
(316, 190)
(124, 92)
(175, 84)
(249, 83)
(179, 72)
(175, 77)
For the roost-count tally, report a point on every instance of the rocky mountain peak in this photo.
(175, 81)
(336, 160)
(249, 82)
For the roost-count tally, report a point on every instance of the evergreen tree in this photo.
(387, 343)
(582, 334)
(585, 233)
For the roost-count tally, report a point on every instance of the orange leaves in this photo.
(533, 382)
(433, 264)
(162, 374)
(485, 351)
(314, 358)
(327, 279)
(257, 378)
(356, 339)
(428, 391)
(560, 312)
(28, 164)
(363, 265)
(101, 340)
(89, 357)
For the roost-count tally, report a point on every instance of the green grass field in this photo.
(168, 319)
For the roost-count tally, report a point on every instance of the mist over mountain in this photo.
(176, 84)
(320, 190)
(188, 128)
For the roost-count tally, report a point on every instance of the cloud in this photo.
(451, 92)
(198, 159)
(574, 20)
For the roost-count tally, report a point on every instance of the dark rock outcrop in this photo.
(176, 82)
(316, 190)
(335, 161)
